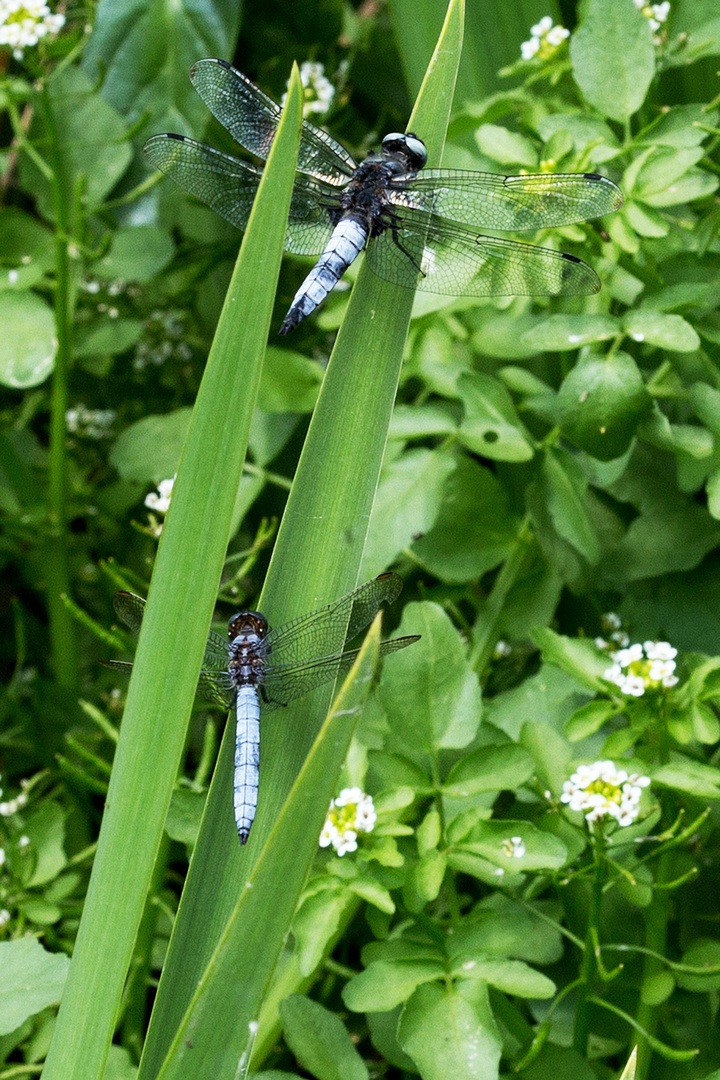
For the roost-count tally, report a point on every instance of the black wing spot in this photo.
(570, 258)
(172, 135)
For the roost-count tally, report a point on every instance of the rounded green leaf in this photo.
(138, 253)
(32, 979)
(432, 700)
(613, 58)
(563, 332)
(601, 403)
(387, 983)
(149, 450)
(319, 1040)
(491, 426)
(475, 528)
(656, 328)
(491, 768)
(29, 341)
(290, 382)
(450, 1032)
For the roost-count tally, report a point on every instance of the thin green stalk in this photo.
(485, 634)
(589, 965)
(656, 922)
(63, 649)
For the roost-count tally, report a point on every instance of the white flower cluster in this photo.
(643, 667)
(544, 39)
(656, 14)
(319, 91)
(602, 790)
(513, 847)
(352, 812)
(90, 423)
(24, 22)
(160, 500)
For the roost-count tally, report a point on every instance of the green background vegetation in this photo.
(526, 465)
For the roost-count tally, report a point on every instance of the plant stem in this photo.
(62, 630)
(656, 920)
(485, 631)
(588, 965)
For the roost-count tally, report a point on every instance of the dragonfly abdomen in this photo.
(247, 759)
(343, 247)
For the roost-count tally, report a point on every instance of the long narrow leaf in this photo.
(316, 558)
(170, 649)
(198, 1051)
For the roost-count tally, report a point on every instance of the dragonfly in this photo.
(259, 668)
(418, 229)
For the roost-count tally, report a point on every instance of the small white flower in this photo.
(502, 648)
(541, 27)
(611, 620)
(634, 685)
(625, 657)
(659, 650)
(557, 35)
(2, 856)
(160, 500)
(528, 49)
(24, 842)
(4, 917)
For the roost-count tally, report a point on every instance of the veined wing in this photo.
(214, 683)
(228, 186)
(321, 635)
(513, 203)
(455, 261)
(252, 118)
(287, 682)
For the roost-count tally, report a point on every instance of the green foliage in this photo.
(547, 484)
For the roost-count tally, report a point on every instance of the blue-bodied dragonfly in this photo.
(260, 668)
(419, 231)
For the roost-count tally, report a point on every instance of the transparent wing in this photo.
(285, 683)
(214, 683)
(321, 635)
(252, 118)
(228, 186)
(514, 203)
(436, 256)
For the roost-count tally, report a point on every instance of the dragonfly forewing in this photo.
(252, 118)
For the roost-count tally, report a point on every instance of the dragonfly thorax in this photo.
(247, 652)
(246, 623)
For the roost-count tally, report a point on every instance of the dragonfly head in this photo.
(247, 622)
(406, 148)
